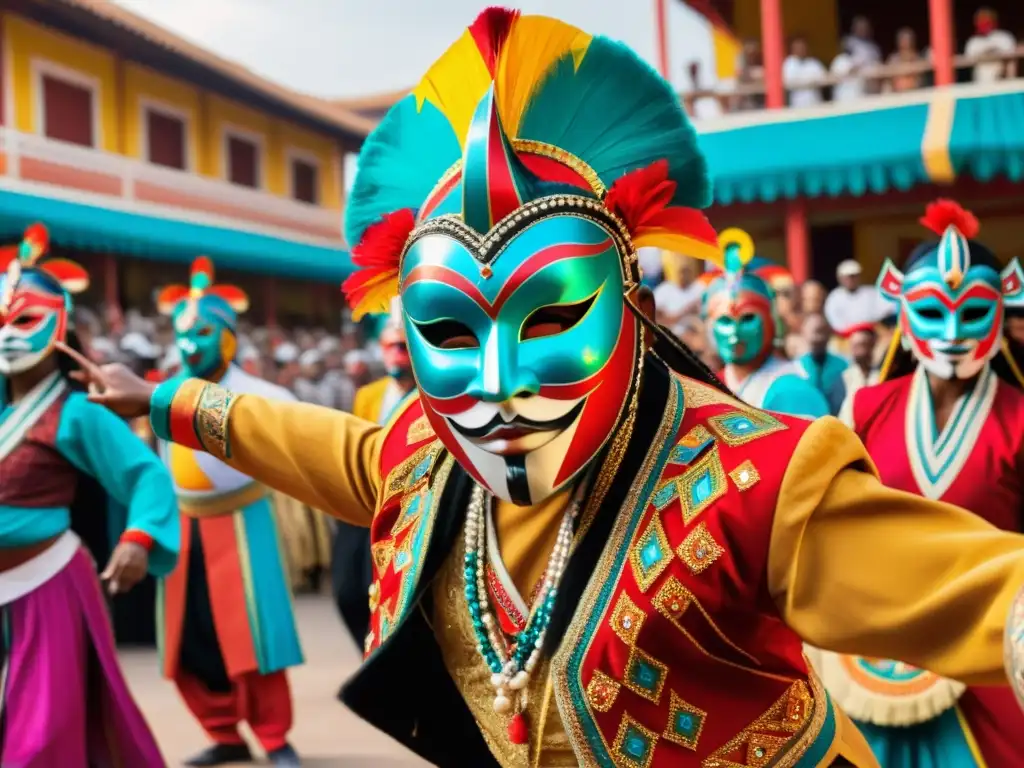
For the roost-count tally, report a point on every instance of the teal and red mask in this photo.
(738, 305)
(35, 301)
(952, 295)
(508, 221)
(204, 317)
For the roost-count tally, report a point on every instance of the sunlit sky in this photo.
(338, 48)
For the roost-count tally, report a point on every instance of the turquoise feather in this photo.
(618, 115)
(401, 161)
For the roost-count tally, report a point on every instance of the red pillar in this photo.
(940, 13)
(661, 36)
(773, 48)
(270, 299)
(798, 241)
(112, 292)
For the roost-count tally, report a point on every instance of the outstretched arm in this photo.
(858, 568)
(103, 446)
(325, 458)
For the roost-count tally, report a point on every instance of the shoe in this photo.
(222, 754)
(284, 757)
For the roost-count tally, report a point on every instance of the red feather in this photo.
(944, 213)
(377, 255)
(73, 277)
(39, 236)
(641, 199)
(7, 255)
(169, 297)
(203, 265)
(490, 31)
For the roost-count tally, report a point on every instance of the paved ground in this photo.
(325, 734)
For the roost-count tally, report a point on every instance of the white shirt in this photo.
(852, 87)
(844, 308)
(706, 108)
(997, 41)
(797, 72)
(864, 52)
(671, 299)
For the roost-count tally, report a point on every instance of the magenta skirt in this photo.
(64, 699)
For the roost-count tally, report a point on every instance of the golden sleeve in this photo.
(858, 568)
(325, 458)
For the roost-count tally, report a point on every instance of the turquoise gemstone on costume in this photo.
(687, 724)
(651, 553)
(644, 675)
(636, 745)
(702, 489)
(664, 496)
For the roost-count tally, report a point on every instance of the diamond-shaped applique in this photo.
(634, 745)
(739, 427)
(419, 430)
(761, 748)
(650, 554)
(403, 555)
(789, 713)
(672, 599)
(702, 485)
(665, 495)
(690, 445)
(627, 619)
(699, 549)
(645, 675)
(602, 691)
(412, 503)
(745, 476)
(685, 722)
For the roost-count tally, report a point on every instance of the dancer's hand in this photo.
(113, 385)
(127, 567)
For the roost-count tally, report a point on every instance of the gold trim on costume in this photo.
(621, 756)
(678, 706)
(212, 415)
(602, 690)
(745, 476)
(646, 573)
(626, 620)
(699, 549)
(707, 468)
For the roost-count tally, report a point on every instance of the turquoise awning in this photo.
(150, 237)
(987, 139)
(857, 153)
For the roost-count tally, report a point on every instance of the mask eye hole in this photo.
(747, 318)
(930, 314)
(205, 331)
(448, 334)
(555, 319)
(26, 321)
(974, 314)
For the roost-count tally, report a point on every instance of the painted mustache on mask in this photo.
(520, 424)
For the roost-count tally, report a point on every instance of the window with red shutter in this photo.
(67, 112)
(165, 135)
(305, 181)
(243, 162)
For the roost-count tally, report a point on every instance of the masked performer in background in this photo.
(375, 402)
(64, 700)
(739, 310)
(947, 424)
(229, 627)
(659, 548)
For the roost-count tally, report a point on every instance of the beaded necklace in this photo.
(511, 664)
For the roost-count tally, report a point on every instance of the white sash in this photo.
(27, 412)
(32, 574)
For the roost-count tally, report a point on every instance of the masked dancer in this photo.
(947, 424)
(228, 623)
(67, 469)
(659, 549)
(739, 309)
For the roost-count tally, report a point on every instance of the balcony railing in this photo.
(41, 165)
(737, 99)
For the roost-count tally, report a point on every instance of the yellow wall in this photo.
(816, 20)
(123, 88)
(26, 41)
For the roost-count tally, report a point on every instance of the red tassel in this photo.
(490, 31)
(943, 213)
(642, 200)
(518, 730)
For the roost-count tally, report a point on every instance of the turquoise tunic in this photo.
(99, 444)
(826, 377)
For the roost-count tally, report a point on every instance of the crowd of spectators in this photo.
(860, 68)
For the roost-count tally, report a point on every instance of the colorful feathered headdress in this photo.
(520, 108)
(18, 261)
(186, 303)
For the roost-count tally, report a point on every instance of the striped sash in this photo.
(20, 419)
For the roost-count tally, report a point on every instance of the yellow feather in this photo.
(456, 83)
(687, 246)
(377, 299)
(533, 46)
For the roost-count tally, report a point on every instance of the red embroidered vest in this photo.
(676, 656)
(35, 474)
